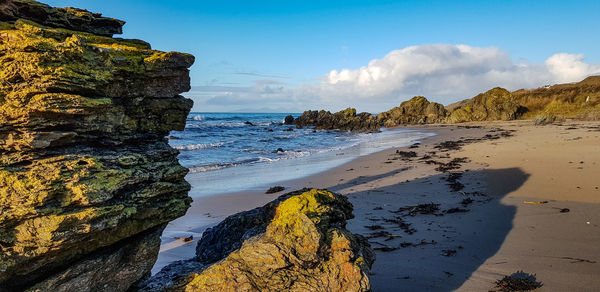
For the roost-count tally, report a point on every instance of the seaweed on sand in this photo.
(430, 208)
(518, 281)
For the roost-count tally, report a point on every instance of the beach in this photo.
(506, 196)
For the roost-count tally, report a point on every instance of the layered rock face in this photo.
(296, 243)
(417, 110)
(346, 120)
(87, 179)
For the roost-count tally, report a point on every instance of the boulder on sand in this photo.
(296, 243)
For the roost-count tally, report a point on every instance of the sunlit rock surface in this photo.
(417, 110)
(496, 104)
(296, 243)
(87, 179)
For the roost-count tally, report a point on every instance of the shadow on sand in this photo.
(463, 240)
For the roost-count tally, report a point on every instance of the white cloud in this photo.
(568, 67)
(442, 72)
(447, 73)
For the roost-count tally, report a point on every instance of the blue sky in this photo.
(279, 55)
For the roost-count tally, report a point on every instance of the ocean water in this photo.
(229, 152)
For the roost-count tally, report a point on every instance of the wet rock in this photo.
(295, 243)
(87, 179)
(288, 120)
(275, 189)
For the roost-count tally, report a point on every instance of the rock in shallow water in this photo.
(87, 179)
(296, 243)
(346, 120)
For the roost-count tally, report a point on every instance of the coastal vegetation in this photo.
(580, 101)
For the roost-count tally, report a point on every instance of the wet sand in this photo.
(489, 227)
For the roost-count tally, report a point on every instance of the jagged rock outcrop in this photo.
(493, 105)
(417, 110)
(346, 120)
(296, 243)
(87, 179)
(69, 18)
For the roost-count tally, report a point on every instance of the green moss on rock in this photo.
(84, 164)
(295, 243)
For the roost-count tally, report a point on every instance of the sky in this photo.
(290, 56)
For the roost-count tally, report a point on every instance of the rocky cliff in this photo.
(87, 179)
(296, 243)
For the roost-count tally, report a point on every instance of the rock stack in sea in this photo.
(346, 120)
(296, 243)
(87, 179)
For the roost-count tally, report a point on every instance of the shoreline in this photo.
(247, 177)
(509, 230)
(208, 210)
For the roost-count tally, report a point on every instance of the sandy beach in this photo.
(505, 196)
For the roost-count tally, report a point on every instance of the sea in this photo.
(229, 152)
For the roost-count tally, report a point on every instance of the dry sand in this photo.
(465, 251)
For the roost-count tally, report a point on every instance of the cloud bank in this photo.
(442, 72)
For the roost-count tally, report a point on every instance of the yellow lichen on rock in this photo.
(84, 165)
(305, 247)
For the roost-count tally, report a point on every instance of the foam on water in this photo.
(233, 151)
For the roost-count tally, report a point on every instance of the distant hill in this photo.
(580, 100)
(571, 100)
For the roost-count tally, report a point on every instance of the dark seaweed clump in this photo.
(430, 208)
(519, 281)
